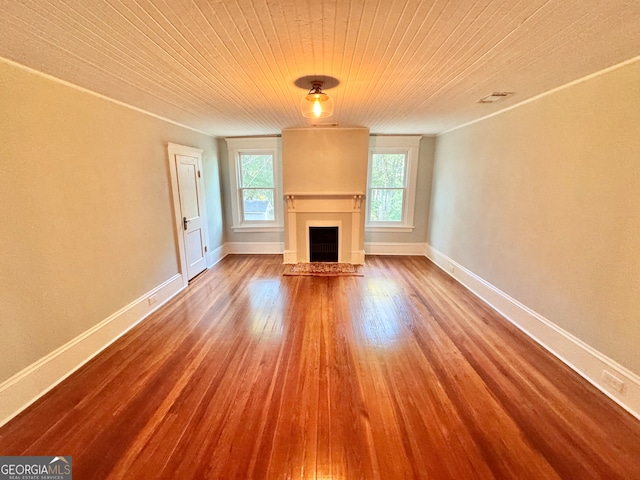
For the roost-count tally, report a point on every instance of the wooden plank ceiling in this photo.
(227, 67)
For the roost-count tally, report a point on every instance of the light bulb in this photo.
(316, 104)
(317, 108)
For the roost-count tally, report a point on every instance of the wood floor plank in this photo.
(401, 373)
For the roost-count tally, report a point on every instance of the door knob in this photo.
(185, 222)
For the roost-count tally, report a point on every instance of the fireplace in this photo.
(339, 215)
(324, 179)
(323, 244)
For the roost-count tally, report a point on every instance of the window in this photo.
(388, 188)
(393, 167)
(254, 168)
(257, 186)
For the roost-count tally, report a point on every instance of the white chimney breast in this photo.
(324, 180)
(325, 159)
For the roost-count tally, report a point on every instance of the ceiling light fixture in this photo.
(316, 104)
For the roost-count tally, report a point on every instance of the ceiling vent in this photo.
(494, 97)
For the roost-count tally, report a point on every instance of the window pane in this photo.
(386, 204)
(258, 204)
(387, 170)
(257, 171)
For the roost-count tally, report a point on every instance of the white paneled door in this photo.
(191, 201)
(187, 185)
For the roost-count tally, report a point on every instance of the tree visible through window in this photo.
(387, 187)
(257, 187)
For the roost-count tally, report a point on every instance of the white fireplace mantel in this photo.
(323, 201)
(304, 203)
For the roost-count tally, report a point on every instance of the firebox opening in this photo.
(323, 244)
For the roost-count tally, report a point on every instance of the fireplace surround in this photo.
(324, 209)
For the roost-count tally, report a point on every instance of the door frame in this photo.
(174, 149)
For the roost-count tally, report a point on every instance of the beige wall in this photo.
(213, 192)
(543, 201)
(86, 215)
(325, 159)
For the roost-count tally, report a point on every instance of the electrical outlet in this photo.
(613, 382)
(152, 299)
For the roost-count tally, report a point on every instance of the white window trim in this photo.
(409, 145)
(238, 146)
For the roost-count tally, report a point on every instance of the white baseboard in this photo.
(382, 248)
(26, 386)
(254, 248)
(582, 358)
(215, 255)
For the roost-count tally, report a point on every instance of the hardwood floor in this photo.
(401, 373)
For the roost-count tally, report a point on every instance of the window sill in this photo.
(389, 228)
(257, 228)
